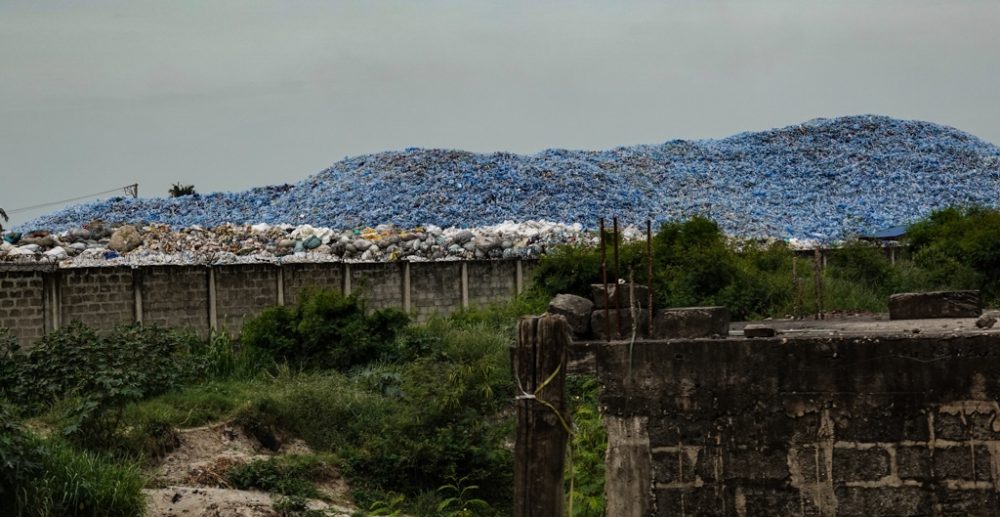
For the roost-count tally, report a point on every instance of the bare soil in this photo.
(191, 481)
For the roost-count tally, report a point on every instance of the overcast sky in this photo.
(228, 95)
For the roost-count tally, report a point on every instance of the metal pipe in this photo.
(604, 279)
(649, 274)
(618, 294)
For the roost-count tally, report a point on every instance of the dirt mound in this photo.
(191, 479)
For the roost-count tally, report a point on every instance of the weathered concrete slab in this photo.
(691, 322)
(935, 304)
(599, 327)
(576, 310)
(758, 330)
(618, 296)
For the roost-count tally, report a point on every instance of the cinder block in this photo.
(691, 322)
(599, 325)
(868, 464)
(618, 296)
(936, 304)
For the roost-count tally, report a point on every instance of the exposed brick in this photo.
(962, 462)
(913, 462)
(868, 464)
(895, 501)
(949, 426)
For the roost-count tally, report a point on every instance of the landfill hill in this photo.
(821, 180)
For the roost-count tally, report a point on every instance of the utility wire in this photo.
(53, 203)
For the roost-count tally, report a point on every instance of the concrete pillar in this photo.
(465, 285)
(518, 278)
(213, 315)
(281, 286)
(51, 301)
(406, 287)
(347, 279)
(137, 291)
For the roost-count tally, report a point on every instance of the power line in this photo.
(132, 190)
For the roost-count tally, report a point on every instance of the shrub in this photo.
(131, 362)
(863, 263)
(960, 247)
(325, 330)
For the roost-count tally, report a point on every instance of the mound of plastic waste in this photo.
(823, 180)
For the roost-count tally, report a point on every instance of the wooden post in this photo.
(540, 449)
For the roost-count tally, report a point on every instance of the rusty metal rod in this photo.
(649, 275)
(618, 294)
(604, 279)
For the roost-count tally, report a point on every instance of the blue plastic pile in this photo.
(824, 179)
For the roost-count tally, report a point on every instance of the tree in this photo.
(5, 218)
(179, 190)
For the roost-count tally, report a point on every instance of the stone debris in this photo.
(987, 320)
(818, 181)
(576, 310)
(99, 244)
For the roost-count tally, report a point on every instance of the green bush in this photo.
(960, 248)
(863, 263)
(589, 446)
(130, 363)
(325, 330)
(411, 425)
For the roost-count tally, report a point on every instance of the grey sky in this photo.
(229, 95)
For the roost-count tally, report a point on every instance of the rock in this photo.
(753, 330)
(935, 304)
(462, 237)
(286, 243)
(125, 239)
(22, 251)
(29, 247)
(44, 241)
(576, 310)
(312, 242)
(469, 246)
(618, 296)
(78, 235)
(57, 253)
(691, 322)
(988, 319)
(362, 244)
(599, 327)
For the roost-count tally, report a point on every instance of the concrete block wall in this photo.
(242, 291)
(98, 297)
(176, 296)
(298, 277)
(435, 287)
(22, 309)
(803, 426)
(35, 300)
(381, 284)
(491, 281)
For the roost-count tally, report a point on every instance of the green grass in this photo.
(293, 476)
(72, 483)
